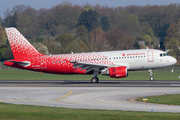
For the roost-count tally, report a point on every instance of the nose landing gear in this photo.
(150, 73)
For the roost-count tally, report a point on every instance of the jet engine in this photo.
(115, 72)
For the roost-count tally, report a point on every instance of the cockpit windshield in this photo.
(163, 54)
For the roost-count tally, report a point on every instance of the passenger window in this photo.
(102, 58)
(160, 55)
(119, 57)
(116, 57)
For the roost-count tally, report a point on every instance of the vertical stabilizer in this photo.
(19, 45)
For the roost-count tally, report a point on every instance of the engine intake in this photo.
(115, 72)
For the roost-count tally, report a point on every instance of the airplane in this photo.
(115, 64)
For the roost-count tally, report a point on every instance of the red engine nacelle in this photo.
(116, 72)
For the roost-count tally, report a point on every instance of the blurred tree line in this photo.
(67, 27)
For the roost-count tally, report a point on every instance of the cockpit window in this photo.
(163, 54)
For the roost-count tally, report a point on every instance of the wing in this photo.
(90, 66)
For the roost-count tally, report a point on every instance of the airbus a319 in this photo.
(115, 64)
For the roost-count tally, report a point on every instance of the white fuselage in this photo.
(140, 59)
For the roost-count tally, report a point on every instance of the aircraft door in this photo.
(150, 56)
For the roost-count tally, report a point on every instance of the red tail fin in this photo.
(19, 45)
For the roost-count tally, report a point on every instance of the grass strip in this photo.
(25, 112)
(133, 75)
(163, 99)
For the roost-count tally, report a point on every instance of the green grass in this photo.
(25, 112)
(163, 99)
(133, 75)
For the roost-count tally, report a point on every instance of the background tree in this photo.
(65, 39)
(173, 37)
(82, 32)
(7, 55)
(2, 50)
(97, 40)
(67, 23)
(148, 40)
(105, 23)
(41, 48)
(52, 47)
(88, 19)
(3, 37)
(76, 47)
(119, 40)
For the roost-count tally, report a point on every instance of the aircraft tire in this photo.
(151, 78)
(94, 80)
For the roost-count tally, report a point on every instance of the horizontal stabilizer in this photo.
(22, 63)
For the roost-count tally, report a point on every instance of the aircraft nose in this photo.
(173, 61)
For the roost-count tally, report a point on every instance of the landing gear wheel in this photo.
(94, 80)
(151, 78)
(97, 79)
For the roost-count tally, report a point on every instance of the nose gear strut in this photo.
(150, 73)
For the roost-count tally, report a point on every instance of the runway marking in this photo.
(64, 96)
(12, 100)
(41, 100)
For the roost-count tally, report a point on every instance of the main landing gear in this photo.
(151, 77)
(95, 79)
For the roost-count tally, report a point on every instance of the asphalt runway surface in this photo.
(109, 95)
(86, 83)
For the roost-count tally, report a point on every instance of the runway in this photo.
(114, 97)
(86, 83)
